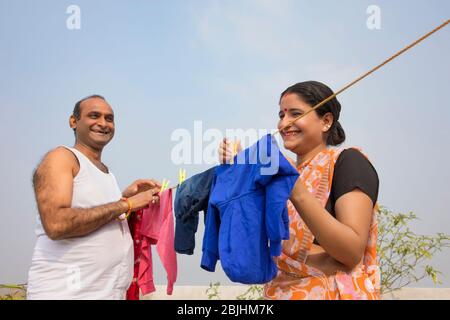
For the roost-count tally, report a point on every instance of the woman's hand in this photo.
(320, 259)
(139, 186)
(226, 151)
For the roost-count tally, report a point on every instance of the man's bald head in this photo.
(77, 109)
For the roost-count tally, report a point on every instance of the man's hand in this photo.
(142, 199)
(139, 186)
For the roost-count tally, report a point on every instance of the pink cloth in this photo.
(158, 228)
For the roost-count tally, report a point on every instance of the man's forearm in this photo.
(76, 222)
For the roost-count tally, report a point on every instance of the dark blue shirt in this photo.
(192, 197)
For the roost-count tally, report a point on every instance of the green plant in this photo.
(254, 292)
(401, 251)
(17, 292)
(213, 291)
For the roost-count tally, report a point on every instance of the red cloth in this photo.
(151, 226)
(135, 228)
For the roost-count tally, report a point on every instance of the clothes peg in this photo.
(181, 176)
(234, 147)
(232, 152)
(164, 186)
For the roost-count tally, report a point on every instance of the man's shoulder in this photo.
(59, 155)
(54, 163)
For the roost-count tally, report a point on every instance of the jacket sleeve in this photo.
(211, 239)
(278, 191)
(185, 235)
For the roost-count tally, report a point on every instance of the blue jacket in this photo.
(247, 214)
(192, 197)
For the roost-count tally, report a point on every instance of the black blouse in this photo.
(352, 171)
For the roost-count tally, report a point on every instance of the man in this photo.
(84, 249)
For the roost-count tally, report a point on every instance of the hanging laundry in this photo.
(191, 198)
(135, 229)
(247, 213)
(156, 228)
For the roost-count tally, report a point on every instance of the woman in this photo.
(331, 252)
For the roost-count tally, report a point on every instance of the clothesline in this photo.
(182, 178)
(363, 76)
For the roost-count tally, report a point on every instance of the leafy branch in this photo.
(401, 251)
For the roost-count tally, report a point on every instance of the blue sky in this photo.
(165, 64)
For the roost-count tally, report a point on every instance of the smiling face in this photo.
(306, 133)
(95, 127)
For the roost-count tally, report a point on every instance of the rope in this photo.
(363, 76)
(357, 80)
